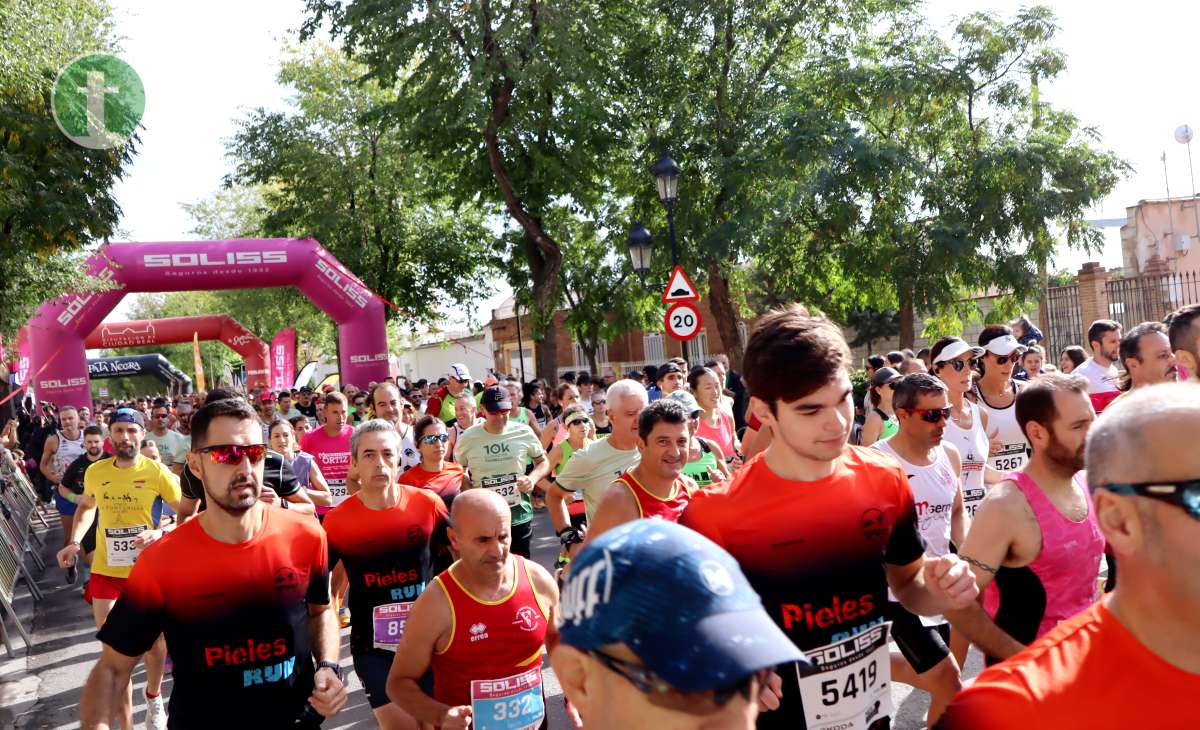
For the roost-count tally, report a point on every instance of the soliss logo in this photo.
(231, 258)
(76, 305)
(377, 357)
(68, 383)
(239, 340)
(346, 285)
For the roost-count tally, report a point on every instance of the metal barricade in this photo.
(18, 506)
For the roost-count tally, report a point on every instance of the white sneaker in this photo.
(156, 713)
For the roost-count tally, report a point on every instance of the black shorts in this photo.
(372, 668)
(923, 646)
(522, 539)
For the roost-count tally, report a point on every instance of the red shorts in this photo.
(104, 587)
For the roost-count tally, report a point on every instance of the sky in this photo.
(205, 64)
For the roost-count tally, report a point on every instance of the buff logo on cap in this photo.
(587, 589)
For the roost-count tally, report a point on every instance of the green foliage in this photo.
(872, 324)
(56, 197)
(329, 170)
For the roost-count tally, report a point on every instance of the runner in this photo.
(495, 453)
(823, 529)
(1104, 338)
(62, 448)
(533, 402)
(1147, 356)
(308, 474)
(466, 415)
(388, 404)
(172, 446)
(287, 409)
(1184, 332)
(706, 463)
(600, 422)
(592, 470)
(520, 413)
(656, 487)
(386, 536)
(481, 630)
(555, 431)
(122, 491)
(715, 424)
(330, 446)
(660, 629)
(1131, 660)
(881, 422)
(578, 438)
(1071, 358)
(967, 430)
(1034, 544)
(248, 614)
(996, 392)
(932, 467)
(435, 473)
(668, 379)
(306, 404)
(71, 490)
(441, 403)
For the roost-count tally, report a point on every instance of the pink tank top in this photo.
(1061, 581)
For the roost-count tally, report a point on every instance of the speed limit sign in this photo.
(683, 321)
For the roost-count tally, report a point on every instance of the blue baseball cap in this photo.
(128, 415)
(676, 600)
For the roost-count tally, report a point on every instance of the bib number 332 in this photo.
(512, 703)
(849, 684)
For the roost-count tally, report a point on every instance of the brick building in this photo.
(630, 350)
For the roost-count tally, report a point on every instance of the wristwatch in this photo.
(333, 667)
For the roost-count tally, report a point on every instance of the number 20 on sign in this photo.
(683, 321)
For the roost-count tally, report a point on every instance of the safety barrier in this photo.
(18, 509)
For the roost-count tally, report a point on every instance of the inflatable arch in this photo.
(58, 364)
(171, 330)
(127, 366)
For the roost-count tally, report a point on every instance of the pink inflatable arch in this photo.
(170, 330)
(58, 363)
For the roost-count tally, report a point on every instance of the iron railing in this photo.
(1150, 298)
(1064, 326)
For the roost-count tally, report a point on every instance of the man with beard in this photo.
(63, 447)
(248, 623)
(1104, 337)
(123, 488)
(1035, 545)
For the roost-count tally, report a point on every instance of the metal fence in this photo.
(18, 507)
(1150, 298)
(1064, 326)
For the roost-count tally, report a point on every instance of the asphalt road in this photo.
(42, 690)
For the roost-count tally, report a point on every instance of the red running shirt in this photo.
(489, 640)
(445, 483)
(1061, 680)
(235, 619)
(649, 505)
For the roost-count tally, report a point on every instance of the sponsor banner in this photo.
(283, 359)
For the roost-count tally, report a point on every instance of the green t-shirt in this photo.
(172, 446)
(496, 460)
(447, 414)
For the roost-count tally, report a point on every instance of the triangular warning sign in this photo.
(680, 288)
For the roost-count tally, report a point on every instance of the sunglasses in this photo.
(1003, 359)
(1183, 494)
(599, 401)
(649, 683)
(930, 415)
(434, 438)
(232, 453)
(577, 422)
(960, 365)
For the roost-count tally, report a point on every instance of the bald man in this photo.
(1142, 642)
(481, 629)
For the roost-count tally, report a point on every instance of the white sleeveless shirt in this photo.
(934, 488)
(1014, 453)
(68, 450)
(972, 445)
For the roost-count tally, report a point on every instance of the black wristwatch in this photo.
(335, 668)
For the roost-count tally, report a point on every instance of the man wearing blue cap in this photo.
(659, 628)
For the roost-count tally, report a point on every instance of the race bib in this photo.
(506, 486)
(118, 543)
(388, 621)
(848, 685)
(1010, 457)
(338, 490)
(971, 499)
(512, 703)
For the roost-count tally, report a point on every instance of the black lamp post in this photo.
(666, 175)
(641, 248)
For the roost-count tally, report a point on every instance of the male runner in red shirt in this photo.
(822, 529)
(481, 630)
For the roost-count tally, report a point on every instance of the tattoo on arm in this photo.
(978, 564)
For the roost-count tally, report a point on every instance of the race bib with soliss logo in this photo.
(848, 684)
(505, 485)
(388, 622)
(512, 703)
(118, 543)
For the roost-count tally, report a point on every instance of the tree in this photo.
(56, 197)
(872, 324)
(331, 171)
(938, 164)
(513, 103)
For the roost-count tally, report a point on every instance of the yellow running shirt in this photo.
(125, 498)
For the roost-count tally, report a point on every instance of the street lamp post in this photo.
(666, 176)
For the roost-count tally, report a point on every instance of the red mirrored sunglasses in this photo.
(233, 453)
